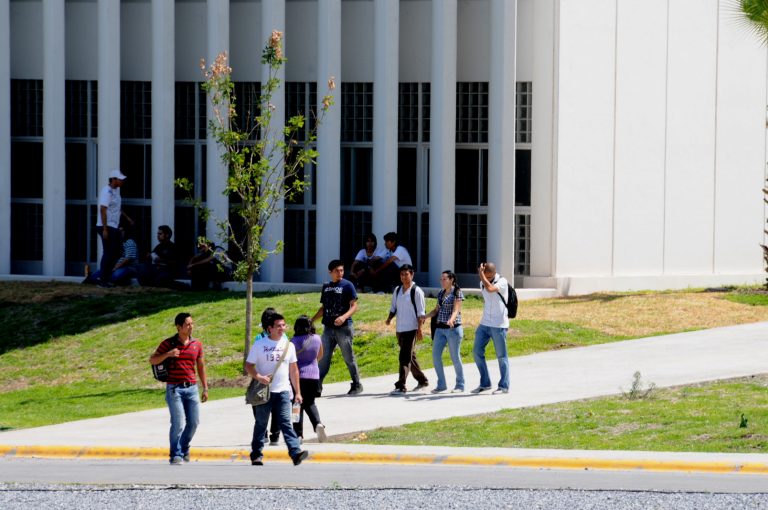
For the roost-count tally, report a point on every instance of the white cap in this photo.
(116, 174)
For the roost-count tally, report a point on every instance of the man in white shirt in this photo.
(264, 356)
(108, 224)
(493, 326)
(408, 307)
(388, 274)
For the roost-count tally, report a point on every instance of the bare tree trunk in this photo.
(248, 316)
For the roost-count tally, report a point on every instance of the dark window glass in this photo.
(26, 231)
(26, 170)
(471, 241)
(184, 160)
(355, 225)
(408, 112)
(467, 177)
(26, 107)
(425, 111)
(77, 164)
(472, 112)
(77, 233)
(406, 176)
(424, 242)
(356, 175)
(522, 177)
(247, 96)
(407, 234)
(301, 99)
(295, 221)
(136, 109)
(186, 112)
(141, 215)
(356, 112)
(136, 164)
(76, 108)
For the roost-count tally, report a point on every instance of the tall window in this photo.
(413, 172)
(81, 117)
(356, 166)
(26, 176)
(189, 162)
(300, 211)
(136, 158)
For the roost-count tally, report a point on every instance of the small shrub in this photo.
(636, 392)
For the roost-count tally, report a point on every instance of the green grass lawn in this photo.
(71, 352)
(697, 418)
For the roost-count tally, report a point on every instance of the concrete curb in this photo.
(227, 455)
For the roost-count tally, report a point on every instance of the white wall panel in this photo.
(415, 37)
(26, 40)
(641, 45)
(525, 39)
(246, 40)
(543, 161)
(191, 35)
(301, 41)
(474, 48)
(740, 160)
(135, 41)
(690, 152)
(82, 35)
(585, 137)
(357, 41)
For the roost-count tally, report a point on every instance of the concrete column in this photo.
(385, 93)
(218, 41)
(163, 113)
(442, 171)
(109, 94)
(5, 137)
(501, 137)
(328, 137)
(54, 155)
(543, 149)
(273, 18)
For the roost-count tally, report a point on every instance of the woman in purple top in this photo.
(309, 349)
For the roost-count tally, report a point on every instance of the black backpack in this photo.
(413, 299)
(512, 303)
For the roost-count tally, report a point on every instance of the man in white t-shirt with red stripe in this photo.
(264, 356)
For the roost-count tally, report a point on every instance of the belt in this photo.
(185, 384)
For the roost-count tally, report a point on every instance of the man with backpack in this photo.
(493, 326)
(408, 307)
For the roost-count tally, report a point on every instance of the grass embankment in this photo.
(72, 352)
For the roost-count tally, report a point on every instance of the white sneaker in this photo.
(320, 430)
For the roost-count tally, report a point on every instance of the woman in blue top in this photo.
(309, 349)
(448, 331)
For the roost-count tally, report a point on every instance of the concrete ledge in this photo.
(341, 456)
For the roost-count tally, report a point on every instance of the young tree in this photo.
(754, 15)
(265, 162)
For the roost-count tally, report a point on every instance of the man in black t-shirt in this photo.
(338, 302)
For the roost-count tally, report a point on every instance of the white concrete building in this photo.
(580, 144)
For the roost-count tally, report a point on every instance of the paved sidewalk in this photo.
(543, 378)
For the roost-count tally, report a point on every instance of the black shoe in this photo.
(105, 285)
(300, 457)
(355, 389)
(258, 461)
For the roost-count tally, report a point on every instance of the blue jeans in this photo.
(452, 337)
(341, 336)
(282, 401)
(184, 404)
(483, 335)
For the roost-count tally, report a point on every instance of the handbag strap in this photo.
(280, 361)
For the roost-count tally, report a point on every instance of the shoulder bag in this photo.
(258, 393)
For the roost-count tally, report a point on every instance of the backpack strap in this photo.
(413, 300)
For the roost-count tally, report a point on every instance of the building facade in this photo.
(583, 145)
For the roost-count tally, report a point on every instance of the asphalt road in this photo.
(360, 475)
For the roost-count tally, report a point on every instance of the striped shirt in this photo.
(182, 369)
